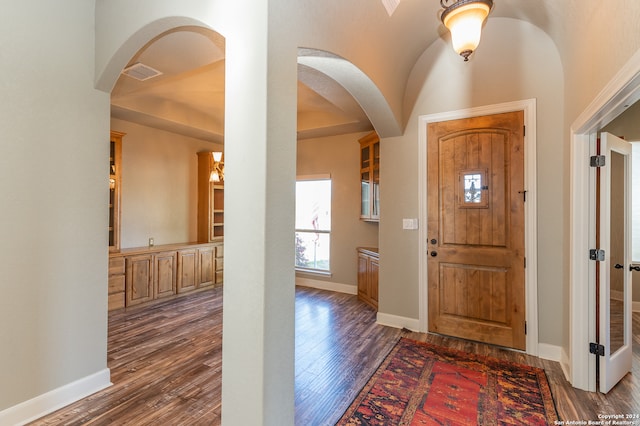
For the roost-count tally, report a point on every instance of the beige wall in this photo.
(339, 156)
(159, 185)
(53, 181)
(503, 70)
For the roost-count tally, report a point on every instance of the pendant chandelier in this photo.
(464, 18)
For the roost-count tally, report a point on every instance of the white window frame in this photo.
(315, 271)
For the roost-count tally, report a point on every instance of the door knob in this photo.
(634, 268)
(619, 266)
(433, 253)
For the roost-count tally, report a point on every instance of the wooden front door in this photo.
(475, 205)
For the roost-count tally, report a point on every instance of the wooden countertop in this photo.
(155, 249)
(371, 251)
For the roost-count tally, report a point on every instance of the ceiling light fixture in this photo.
(464, 19)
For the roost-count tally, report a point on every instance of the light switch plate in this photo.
(409, 223)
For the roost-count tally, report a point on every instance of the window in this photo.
(635, 201)
(313, 223)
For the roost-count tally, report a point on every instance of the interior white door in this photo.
(615, 273)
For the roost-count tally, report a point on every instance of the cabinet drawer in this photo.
(116, 301)
(116, 284)
(116, 265)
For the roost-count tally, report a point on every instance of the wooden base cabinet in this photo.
(368, 265)
(141, 275)
(150, 276)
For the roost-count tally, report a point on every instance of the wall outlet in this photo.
(151, 242)
(409, 223)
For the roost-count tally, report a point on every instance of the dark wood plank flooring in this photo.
(165, 363)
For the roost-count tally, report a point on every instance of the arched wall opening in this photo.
(105, 80)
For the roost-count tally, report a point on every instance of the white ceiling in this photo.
(188, 98)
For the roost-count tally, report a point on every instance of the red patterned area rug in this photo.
(424, 384)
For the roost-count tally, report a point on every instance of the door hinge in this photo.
(598, 161)
(597, 255)
(525, 327)
(525, 262)
(596, 349)
(524, 130)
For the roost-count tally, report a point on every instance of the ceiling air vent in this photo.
(141, 71)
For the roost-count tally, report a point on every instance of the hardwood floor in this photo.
(165, 363)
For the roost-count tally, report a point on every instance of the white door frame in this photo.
(531, 240)
(622, 91)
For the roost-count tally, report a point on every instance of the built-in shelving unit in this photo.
(210, 201)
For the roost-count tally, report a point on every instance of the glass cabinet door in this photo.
(365, 195)
(375, 207)
(370, 177)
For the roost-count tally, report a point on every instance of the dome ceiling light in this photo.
(464, 19)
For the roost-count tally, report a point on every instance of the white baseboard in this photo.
(550, 352)
(51, 401)
(397, 321)
(326, 285)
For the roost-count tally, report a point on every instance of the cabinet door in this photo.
(375, 182)
(207, 260)
(139, 282)
(373, 281)
(365, 182)
(363, 275)
(187, 270)
(165, 274)
(370, 177)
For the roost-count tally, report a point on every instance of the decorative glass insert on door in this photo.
(473, 187)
